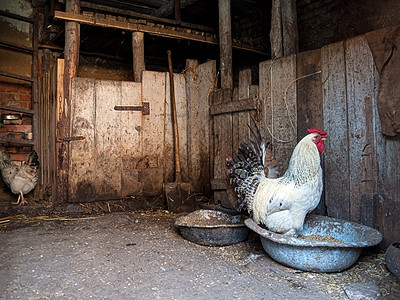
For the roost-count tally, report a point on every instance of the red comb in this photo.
(320, 132)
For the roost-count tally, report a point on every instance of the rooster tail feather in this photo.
(246, 168)
(33, 160)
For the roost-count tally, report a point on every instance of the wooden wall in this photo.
(335, 88)
(128, 153)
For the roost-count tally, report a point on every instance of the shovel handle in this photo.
(174, 118)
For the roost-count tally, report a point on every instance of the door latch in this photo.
(144, 108)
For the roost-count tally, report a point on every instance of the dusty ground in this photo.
(141, 255)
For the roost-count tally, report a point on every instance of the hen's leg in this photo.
(23, 201)
(19, 198)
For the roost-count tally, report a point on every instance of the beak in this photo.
(323, 139)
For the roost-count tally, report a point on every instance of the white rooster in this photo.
(281, 204)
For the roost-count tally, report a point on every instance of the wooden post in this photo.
(71, 63)
(178, 11)
(276, 30)
(289, 26)
(225, 43)
(138, 55)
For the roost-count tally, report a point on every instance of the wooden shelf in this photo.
(17, 141)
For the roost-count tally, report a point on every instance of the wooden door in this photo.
(122, 152)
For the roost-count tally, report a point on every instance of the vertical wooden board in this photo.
(309, 99)
(198, 90)
(222, 137)
(336, 156)
(107, 140)
(130, 148)
(309, 92)
(152, 134)
(241, 120)
(82, 167)
(360, 69)
(265, 98)
(181, 110)
(283, 109)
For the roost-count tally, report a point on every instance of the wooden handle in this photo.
(174, 118)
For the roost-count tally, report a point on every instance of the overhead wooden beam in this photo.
(136, 15)
(225, 43)
(131, 24)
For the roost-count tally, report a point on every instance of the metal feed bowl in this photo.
(338, 252)
(212, 228)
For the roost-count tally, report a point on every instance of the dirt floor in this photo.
(141, 255)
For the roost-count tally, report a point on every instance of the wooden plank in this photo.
(278, 96)
(62, 148)
(166, 31)
(360, 74)
(152, 133)
(234, 106)
(289, 27)
(130, 147)
(241, 119)
(276, 30)
(225, 43)
(107, 140)
(138, 55)
(83, 169)
(198, 89)
(309, 99)
(336, 160)
(309, 92)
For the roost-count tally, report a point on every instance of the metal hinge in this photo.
(144, 108)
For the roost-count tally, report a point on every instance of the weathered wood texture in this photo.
(278, 98)
(126, 153)
(336, 157)
(309, 95)
(71, 63)
(230, 127)
(361, 182)
(276, 30)
(200, 82)
(360, 74)
(290, 35)
(225, 43)
(138, 55)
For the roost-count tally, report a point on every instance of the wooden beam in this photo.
(289, 28)
(276, 30)
(138, 55)
(234, 106)
(71, 62)
(131, 24)
(225, 43)
(137, 25)
(130, 13)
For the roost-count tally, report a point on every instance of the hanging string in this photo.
(286, 105)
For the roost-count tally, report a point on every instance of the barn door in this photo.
(116, 152)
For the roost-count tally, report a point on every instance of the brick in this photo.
(25, 97)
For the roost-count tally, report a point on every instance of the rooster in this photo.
(281, 204)
(20, 179)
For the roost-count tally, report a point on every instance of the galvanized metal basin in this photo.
(212, 228)
(337, 252)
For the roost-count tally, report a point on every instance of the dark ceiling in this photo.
(115, 44)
